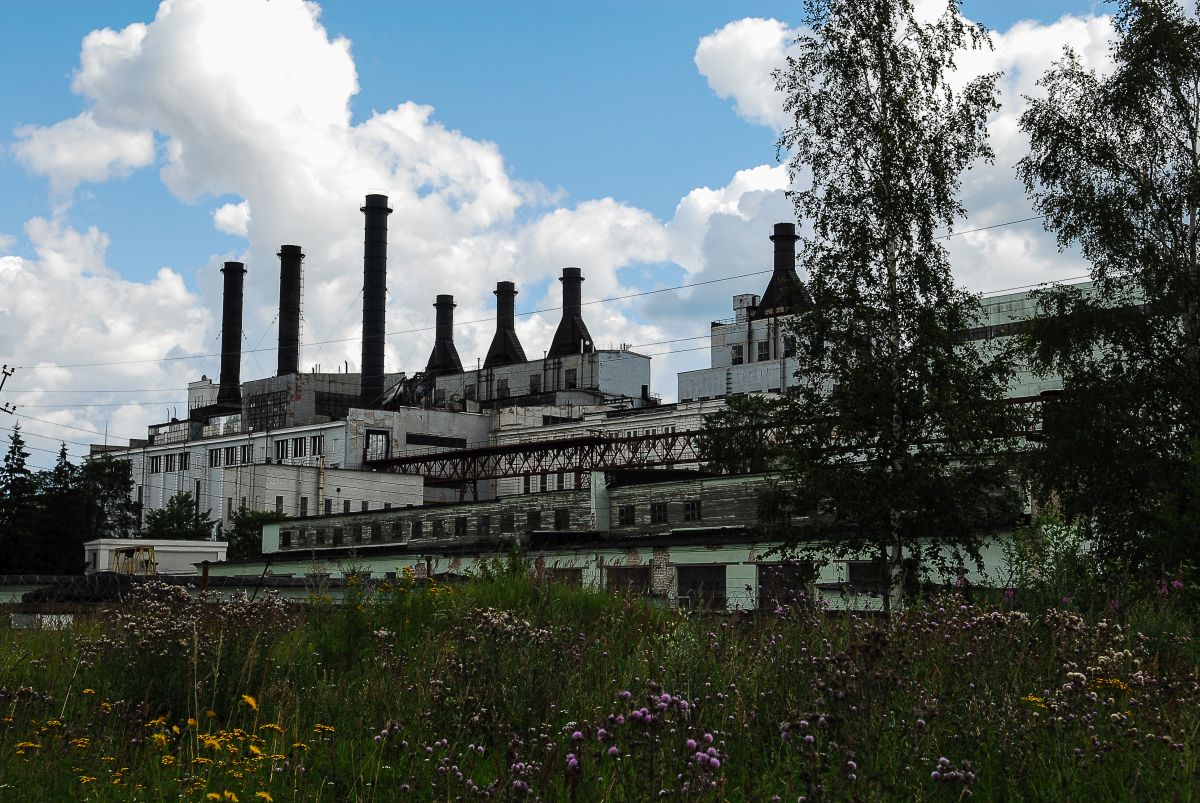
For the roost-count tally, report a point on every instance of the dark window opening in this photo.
(506, 522)
(691, 510)
(701, 587)
(562, 519)
(533, 520)
(658, 512)
(626, 516)
(379, 444)
(460, 526)
(628, 579)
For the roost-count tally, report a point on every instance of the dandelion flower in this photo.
(264, 796)
(250, 701)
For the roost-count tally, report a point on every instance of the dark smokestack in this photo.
(374, 296)
(785, 292)
(444, 357)
(572, 336)
(290, 257)
(506, 348)
(230, 391)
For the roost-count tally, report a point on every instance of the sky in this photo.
(143, 144)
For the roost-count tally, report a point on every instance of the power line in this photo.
(985, 228)
(68, 426)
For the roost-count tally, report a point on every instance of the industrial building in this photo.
(568, 454)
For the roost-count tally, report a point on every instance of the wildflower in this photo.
(93, 691)
(85, 779)
(299, 746)
(319, 728)
(577, 736)
(168, 760)
(255, 751)
(271, 726)
(1177, 584)
(613, 751)
(192, 722)
(81, 742)
(250, 701)
(264, 796)
(160, 738)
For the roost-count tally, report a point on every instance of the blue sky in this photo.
(604, 123)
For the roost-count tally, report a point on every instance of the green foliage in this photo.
(245, 532)
(1114, 166)
(497, 684)
(180, 518)
(897, 436)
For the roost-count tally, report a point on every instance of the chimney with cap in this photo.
(230, 390)
(290, 259)
(375, 213)
(506, 348)
(572, 336)
(444, 357)
(785, 292)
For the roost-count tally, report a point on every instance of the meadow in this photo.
(510, 690)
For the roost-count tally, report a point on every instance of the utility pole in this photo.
(5, 373)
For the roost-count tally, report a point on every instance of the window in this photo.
(468, 392)
(298, 446)
(379, 444)
(561, 481)
(543, 482)
(737, 354)
(366, 506)
(243, 502)
(229, 507)
(527, 482)
(535, 383)
(460, 526)
(322, 535)
(156, 464)
(627, 579)
(316, 445)
(304, 506)
(501, 388)
(867, 576)
(231, 455)
(376, 533)
(328, 506)
(346, 506)
(764, 351)
(572, 378)
(569, 577)
(658, 512)
(439, 396)
(418, 528)
(533, 520)
(784, 583)
(281, 450)
(285, 538)
(247, 453)
(339, 536)
(506, 522)
(562, 519)
(701, 587)
(185, 461)
(170, 462)
(439, 528)
(214, 458)
(626, 516)
(387, 505)
(279, 504)
(483, 525)
(691, 510)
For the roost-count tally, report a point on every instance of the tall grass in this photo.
(512, 690)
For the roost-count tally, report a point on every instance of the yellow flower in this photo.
(168, 760)
(54, 723)
(213, 796)
(106, 707)
(82, 741)
(89, 691)
(86, 778)
(210, 713)
(1033, 698)
(192, 722)
(265, 796)
(201, 760)
(21, 746)
(250, 701)
(319, 728)
(299, 746)
(271, 726)
(174, 729)
(160, 738)
(257, 753)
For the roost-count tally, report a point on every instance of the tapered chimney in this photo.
(506, 348)
(375, 214)
(230, 390)
(572, 336)
(290, 259)
(785, 292)
(444, 357)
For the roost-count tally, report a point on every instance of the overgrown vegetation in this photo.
(505, 689)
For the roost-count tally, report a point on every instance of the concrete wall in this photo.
(307, 490)
(172, 557)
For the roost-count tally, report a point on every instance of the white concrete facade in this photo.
(172, 557)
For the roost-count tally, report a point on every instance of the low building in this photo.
(144, 556)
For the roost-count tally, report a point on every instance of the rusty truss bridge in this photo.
(594, 452)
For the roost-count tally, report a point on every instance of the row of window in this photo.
(660, 513)
(404, 529)
(179, 461)
(285, 448)
(737, 352)
(570, 382)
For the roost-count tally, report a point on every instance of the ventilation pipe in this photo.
(374, 296)
(230, 390)
(572, 336)
(444, 357)
(290, 259)
(506, 348)
(785, 292)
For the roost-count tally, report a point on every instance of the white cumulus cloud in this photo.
(233, 218)
(80, 149)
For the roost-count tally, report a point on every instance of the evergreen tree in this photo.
(17, 506)
(895, 438)
(1114, 165)
(59, 521)
(107, 485)
(180, 518)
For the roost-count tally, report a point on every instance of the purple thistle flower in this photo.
(691, 745)
(613, 751)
